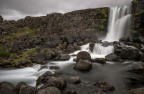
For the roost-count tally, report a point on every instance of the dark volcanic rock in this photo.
(91, 46)
(25, 89)
(63, 57)
(83, 65)
(74, 80)
(55, 82)
(6, 88)
(99, 60)
(49, 90)
(112, 57)
(18, 86)
(84, 56)
(129, 53)
(105, 86)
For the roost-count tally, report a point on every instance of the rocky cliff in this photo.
(138, 17)
(44, 38)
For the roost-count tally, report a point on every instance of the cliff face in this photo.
(138, 16)
(56, 33)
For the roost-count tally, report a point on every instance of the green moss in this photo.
(29, 52)
(21, 61)
(4, 52)
(62, 46)
(17, 34)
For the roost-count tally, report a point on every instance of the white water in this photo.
(118, 22)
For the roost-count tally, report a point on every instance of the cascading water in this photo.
(119, 22)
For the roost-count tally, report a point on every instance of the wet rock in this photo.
(129, 53)
(38, 58)
(18, 86)
(49, 90)
(104, 86)
(99, 60)
(139, 39)
(6, 88)
(70, 49)
(91, 46)
(55, 82)
(44, 78)
(64, 57)
(124, 39)
(25, 89)
(54, 67)
(75, 80)
(105, 44)
(84, 56)
(112, 57)
(137, 91)
(83, 65)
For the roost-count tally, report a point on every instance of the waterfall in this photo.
(119, 23)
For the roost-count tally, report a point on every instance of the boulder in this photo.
(18, 86)
(7, 88)
(83, 65)
(25, 89)
(129, 53)
(49, 90)
(104, 86)
(112, 57)
(64, 57)
(91, 46)
(44, 78)
(55, 82)
(84, 56)
(74, 80)
(99, 60)
(70, 48)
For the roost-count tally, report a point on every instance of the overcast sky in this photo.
(16, 9)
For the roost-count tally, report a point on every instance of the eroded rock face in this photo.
(49, 90)
(83, 65)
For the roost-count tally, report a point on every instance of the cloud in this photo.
(15, 9)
